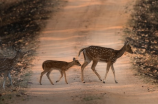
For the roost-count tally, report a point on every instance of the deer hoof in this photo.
(116, 82)
(83, 81)
(103, 81)
(100, 80)
(56, 81)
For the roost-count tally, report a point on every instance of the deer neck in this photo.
(121, 51)
(70, 64)
(16, 56)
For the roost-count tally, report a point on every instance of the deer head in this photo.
(128, 47)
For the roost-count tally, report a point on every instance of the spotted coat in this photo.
(101, 53)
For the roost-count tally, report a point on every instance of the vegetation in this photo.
(21, 22)
(142, 33)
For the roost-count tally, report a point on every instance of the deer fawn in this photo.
(62, 66)
(108, 55)
(7, 64)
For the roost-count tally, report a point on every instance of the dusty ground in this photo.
(79, 24)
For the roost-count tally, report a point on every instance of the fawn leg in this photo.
(49, 77)
(93, 68)
(60, 76)
(107, 70)
(42, 73)
(65, 77)
(113, 70)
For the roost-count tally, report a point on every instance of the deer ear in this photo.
(126, 42)
(74, 59)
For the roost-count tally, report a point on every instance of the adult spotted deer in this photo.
(7, 64)
(108, 55)
(62, 66)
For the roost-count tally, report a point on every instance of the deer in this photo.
(7, 64)
(61, 66)
(102, 54)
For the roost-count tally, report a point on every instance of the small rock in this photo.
(14, 90)
(135, 74)
(151, 75)
(23, 93)
(104, 94)
(29, 82)
(18, 95)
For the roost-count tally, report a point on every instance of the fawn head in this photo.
(128, 48)
(76, 62)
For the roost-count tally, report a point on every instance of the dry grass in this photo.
(141, 32)
(21, 22)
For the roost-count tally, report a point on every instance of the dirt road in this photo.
(79, 24)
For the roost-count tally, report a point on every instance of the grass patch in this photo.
(91, 98)
(21, 22)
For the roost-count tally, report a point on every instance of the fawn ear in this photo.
(74, 59)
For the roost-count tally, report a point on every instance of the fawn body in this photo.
(108, 55)
(7, 64)
(62, 66)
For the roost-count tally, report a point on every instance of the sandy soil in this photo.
(79, 24)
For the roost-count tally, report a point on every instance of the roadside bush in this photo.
(21, 22)
(142, 33)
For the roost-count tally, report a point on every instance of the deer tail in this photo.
(80, 51)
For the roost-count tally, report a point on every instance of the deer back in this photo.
(101, 53)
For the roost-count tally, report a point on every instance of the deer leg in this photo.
(82, 68)
(93, 68)
(5, 76)
(86, 62)
(60, 76)
(65, 77)
(10, 79)
(42, 73)
(113, 70)
(107, 70)
(49, 77)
